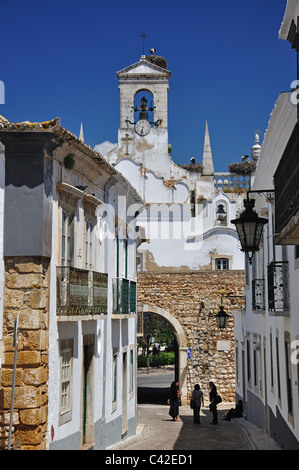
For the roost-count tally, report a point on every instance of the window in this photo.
(126, 257)
(237, 363)
(287, 351)
(248, 360)
(221, 264)
(271, 361)
(131, 371)
(255, 367)
(67, 238)
(89, 244)
(278, 369)
(114, 379)
(66, 365)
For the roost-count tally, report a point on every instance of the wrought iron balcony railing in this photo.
(124, 296)
(278, 286)
(258, 294)
(81, 292)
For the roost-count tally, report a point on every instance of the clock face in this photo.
(142, 127)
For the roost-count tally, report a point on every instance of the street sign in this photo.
(189, 353)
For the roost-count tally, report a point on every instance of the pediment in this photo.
(143, 67)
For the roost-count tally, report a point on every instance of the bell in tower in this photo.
(143, 108)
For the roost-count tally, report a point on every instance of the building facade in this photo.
(69, 265)
(266, 332)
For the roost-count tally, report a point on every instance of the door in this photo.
(87, 437)
(125, 395)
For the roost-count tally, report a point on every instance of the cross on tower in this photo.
(126, 139)
(143, 36)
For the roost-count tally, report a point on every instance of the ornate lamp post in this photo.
(249, 227)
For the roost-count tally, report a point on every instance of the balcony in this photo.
(124, 296)
(278, 287)
(258, 294)
(287, 193)
(81, 292)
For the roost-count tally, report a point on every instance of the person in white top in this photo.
(197, 397)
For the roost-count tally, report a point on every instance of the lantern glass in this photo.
(221, 318)
(249, 227)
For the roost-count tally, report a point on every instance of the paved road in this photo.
(157, 431)
(154, 387)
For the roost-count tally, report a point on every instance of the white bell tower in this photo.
(143, 131)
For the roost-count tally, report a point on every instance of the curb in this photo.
(141, 431)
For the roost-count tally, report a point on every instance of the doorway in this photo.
(180, 371)
(125, 396)
(87, 435)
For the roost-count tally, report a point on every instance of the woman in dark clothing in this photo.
(213, 404)
(174, 401)
(235, 412)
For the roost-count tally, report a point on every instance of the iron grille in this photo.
(81, 292)
(258, 294)
(278, 286)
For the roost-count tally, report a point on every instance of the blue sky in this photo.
(228, 66)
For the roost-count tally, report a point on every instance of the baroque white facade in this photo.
(267, 332)
(186, 223)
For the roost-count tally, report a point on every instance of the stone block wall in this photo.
(26, 293)
(193, 298)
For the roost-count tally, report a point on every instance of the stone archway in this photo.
(182, 345)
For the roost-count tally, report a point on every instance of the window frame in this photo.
(65, 411)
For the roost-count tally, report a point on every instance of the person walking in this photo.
(213, 404)
(197, 397)
(175, 400)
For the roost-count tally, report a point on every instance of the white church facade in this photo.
(188, 208)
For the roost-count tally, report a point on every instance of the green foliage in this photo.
(161, 359)
(69, 161)
(156, 330)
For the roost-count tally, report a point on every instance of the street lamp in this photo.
(249, 227)
(221, 318)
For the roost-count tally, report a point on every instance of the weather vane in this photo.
(143, 36)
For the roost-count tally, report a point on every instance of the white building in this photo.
(267, 332)
(187, 218)
(70, 275)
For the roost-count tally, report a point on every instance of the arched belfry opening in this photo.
(144, 106)
(180, 373)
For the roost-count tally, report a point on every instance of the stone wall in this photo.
(193, 298)
(25, 293)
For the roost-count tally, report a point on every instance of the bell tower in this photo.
(143, 130)
(149, 74)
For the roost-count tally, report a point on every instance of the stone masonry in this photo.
(193, 298)
(26, 293)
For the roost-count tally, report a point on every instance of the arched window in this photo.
(144, 106)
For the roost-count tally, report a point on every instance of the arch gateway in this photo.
(189, 301)
(181, 341)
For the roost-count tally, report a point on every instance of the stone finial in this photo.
(256, 148)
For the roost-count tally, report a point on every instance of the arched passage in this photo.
(181, 341)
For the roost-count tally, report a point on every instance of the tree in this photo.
(155, 330)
